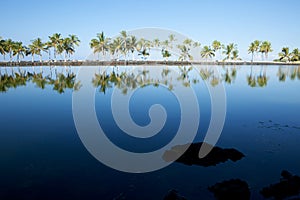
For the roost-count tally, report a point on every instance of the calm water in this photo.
(42, 156)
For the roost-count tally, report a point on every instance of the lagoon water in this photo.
(42, 156)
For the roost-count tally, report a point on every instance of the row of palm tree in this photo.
(56, 43)
(124, 45)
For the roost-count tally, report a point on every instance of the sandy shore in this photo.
(120, 63)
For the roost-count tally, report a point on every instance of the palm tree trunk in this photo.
(10, 56)
(55, 54)
(40, 57)
(65, 56)
(32, 58)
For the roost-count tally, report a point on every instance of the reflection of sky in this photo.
(38, 140)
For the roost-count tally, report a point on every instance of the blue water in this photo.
(42, 156)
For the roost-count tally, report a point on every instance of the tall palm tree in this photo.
(74, 41)
(68, 47)
(217, 46)
(132, 45)
(125, 42)
(185, 53)
(235, 55)
(100, 44)
(37, 47)
(3, 49)
(265, 48)
(115, 47)
(54, 42)
(19, 50)
(228, 49)
(156, 43)
(207, 52)
(257, 46)
(9, 44)
(171, 39)
(252, 50)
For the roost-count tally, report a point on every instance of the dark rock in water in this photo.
(173, 195)
(191, 155)
(233, 189)
(288, 186)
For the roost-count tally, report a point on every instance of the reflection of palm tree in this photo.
(251, 79)
(101, 80)
(281, 74)
(227, 77)
(262, 79)
(39, 80)
(184, 75)
(214, 81)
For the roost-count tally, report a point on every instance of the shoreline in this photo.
(126, 63)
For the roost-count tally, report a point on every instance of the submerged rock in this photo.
(288, 186)
(191, 155)
(234, 189)
(174, 195)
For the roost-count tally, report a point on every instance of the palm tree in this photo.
(235, 55)
(166, 54)
(257, 46)
(265, 48)
(3, 49)
(171, 40)
(9, 44)
(115, 47)
(295, 55)
(37, 47)
(19, 50)
(252, 50)
(68, 47)
(216, 46)
(74, 41)
(207, 52)
(228, 49)
(100, 44)
(132, 45)
(55, 41)
(142, 47)
(185, 50)
(185, 55)
(285, 54)
(156, 43)
(125, 46)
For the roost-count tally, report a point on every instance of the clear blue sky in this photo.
(239, 21)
